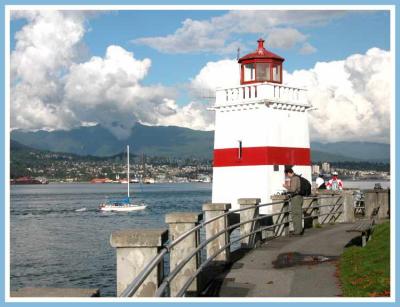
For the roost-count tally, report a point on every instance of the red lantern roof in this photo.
(261, 53)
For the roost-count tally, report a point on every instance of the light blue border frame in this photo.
(181, 2)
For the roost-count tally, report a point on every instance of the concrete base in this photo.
(377, 198)
(55, 292)
(251, 211)
(211, 211)
(180, 223)
(135, 249)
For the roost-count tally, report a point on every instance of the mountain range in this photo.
(176, 142)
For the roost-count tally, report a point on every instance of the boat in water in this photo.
(101, 180)
(124, 204)
(29, 180)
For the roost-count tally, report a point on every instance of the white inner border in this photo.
(8, 8)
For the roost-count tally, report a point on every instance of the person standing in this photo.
(335, 184)
(296, 201)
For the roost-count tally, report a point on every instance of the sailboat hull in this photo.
(125, 208)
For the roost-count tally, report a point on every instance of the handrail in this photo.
(202, 266)
(181, 264)
(137, 282)
(201, 224)
(190, 280)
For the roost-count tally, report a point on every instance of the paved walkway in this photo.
(254, 275)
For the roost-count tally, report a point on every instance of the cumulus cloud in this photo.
(224, 73)
(53, 88)
(217, 34)
(44, 47)
(352, 96)
(285, 38)
(193, 36)
(307, 48)
(194, 115)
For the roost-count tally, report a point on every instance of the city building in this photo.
(315, 169)
(326, 167)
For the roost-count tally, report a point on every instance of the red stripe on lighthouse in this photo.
(262, 156)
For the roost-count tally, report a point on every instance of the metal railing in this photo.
(281, 224)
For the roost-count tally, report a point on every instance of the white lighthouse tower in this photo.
(261, 127)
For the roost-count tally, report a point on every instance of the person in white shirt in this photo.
(320, 182)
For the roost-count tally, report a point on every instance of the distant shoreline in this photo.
(186, 182)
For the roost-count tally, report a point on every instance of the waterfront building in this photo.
(315, 169)
(326, 168)
(261, 127)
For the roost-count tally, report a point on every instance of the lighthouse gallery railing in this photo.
(280, 226)
(249, 93)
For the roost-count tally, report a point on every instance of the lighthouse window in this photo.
(240, 150)
(263, 72)
(249, 72)
(276, 168)
(276, 73)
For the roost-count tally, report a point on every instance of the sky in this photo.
(116, 68)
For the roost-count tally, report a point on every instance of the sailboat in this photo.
(123, 204)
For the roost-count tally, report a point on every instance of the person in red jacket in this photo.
(335, 184)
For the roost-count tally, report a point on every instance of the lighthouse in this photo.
(261, 127)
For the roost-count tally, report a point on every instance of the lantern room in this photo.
(261, 66)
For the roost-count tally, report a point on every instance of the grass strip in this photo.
(365, 272)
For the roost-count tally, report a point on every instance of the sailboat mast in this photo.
(127, 149)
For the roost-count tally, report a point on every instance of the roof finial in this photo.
(260, 43)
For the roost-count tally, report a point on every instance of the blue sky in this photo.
(191, 52)
(355, 32)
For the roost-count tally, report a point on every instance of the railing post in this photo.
(179, 223)
(210, 211)
(314, 213)
(135, 249)
(282, 208)
(370, 201)
(247, 215)
(348, 207)
(384, 200)
(375, 198)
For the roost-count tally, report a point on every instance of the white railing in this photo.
(260, 92)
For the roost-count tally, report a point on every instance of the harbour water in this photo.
(60, 239)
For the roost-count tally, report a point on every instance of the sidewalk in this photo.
(254, 274)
